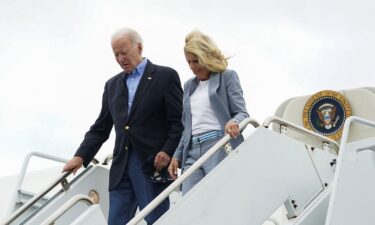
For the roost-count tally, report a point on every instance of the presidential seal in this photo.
(325, 113)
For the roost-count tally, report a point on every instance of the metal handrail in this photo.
(25, 164)
(36, 198)
(94, 161)
(348, 122)
(64, 208)
(274, 119)
(107, 159)
(153, 204)
(339, 161)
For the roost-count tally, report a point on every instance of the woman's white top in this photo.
(203, 116)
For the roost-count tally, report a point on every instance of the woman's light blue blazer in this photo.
(226, 97)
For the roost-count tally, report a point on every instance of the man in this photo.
(144, 103)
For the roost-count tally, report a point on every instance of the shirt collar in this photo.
(140, 69)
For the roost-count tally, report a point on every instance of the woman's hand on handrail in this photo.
(232, 129)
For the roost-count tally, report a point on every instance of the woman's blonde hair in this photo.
(208, 54)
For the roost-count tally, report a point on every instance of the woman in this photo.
(213, 105)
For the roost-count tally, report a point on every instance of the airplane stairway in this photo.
(309, 175)
(272, 170)
(352, 199)
(91, 182)
(265, 172)
(21, 196)
(288, 166)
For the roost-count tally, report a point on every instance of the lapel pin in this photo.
(149, 78)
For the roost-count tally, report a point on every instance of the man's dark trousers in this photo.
(134, 186)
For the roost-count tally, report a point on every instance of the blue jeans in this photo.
(195, 152)
(134, 191)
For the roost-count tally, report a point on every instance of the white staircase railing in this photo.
(33, 200)
(67, 206)
(352, 196)
(332, 146)
(18, 192)
(152, 205)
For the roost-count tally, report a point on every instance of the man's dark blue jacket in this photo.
(152, 125)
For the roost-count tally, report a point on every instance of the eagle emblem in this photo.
(325, 113)
(327, 116)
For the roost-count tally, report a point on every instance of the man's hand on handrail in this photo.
(73, 164)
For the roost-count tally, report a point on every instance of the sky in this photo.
(55, 57)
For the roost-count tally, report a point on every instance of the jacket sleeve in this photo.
(181, 145)
(235, 96)
(98, 133)
(173, 109)
(179, 150)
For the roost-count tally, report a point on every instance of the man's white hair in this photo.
(128, 32)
